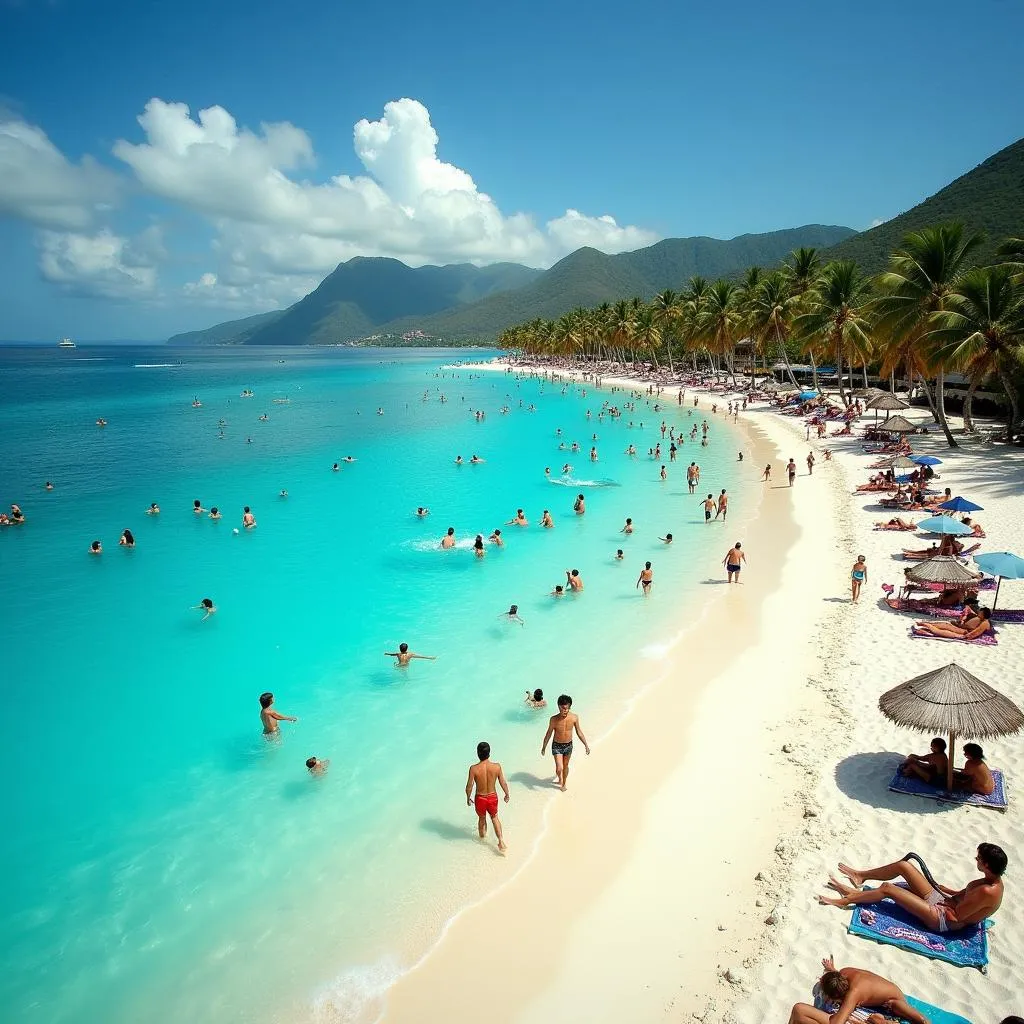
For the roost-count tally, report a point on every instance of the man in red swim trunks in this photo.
(486, 776)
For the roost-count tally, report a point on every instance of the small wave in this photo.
(434, 544)
(154, 366)
(571, 481)
(355, 995)
(656, 651)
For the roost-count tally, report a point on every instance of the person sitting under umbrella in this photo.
(940, 908)
(930, 767)
(975, 776)
(972, 629)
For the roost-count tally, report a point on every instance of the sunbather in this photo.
(852, 988)
(931, 767)
(940, 908)
(972, 629)
(975, 776)
(896, 523)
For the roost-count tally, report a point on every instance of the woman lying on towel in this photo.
(896, 524)
(976, 530)
(949, 545)
(973, 628)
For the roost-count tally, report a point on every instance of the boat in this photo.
(66, 343)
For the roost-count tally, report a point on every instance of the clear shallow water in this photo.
(159, 852)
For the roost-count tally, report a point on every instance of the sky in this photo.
(164, 167)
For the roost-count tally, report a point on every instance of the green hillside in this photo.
(990, 199)
(231, 332)
(588, 277)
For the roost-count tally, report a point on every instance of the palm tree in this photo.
(1012, 250)
(838, 314)
(668, 313)
(981, 329)
(922, 274)
(721, 323)
(694, 299)
(646, 331)
(802, 269)
(621, 327)
(770, 314)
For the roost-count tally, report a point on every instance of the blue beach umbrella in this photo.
(925, 460)
(1003, 565)
(944, 525)
(959, 504)
(806, 396)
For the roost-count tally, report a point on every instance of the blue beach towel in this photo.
(913, 786)
(886, 922)
(933, 1013)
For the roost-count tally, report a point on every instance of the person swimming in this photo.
(248, 519)
(153, 510)
(95, 548)
(646, 577)
(317, 765)
(127, 539)
(448, 540)
(496, 539)
(536, 699)
(214, 512)
(206, 606)
(478, 546)
(512, 615)
(422, 511)
(197, 508)
(619, 556)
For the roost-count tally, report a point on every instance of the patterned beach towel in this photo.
(934, 1013)
(985, 640)
(913, 786)
(889, 923)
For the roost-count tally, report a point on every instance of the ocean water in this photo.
(163, 861)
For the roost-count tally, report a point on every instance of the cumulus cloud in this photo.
(40, 185)
(101, 264)
(410, 204)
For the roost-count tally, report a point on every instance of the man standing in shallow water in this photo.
(269, 717)
(562, 726)
(403, 656)
(484, 775)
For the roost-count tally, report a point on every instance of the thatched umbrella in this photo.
(901, 462)
(942, 569)
(770, 385)
(886, 401)
(950, 700)
(897, 425)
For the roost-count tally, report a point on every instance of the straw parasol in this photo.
(770, 385)
(897, 425)
(942, 569)
(884, 400)
(951, 700)
(901, 462)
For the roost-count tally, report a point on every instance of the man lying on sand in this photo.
(936, 906)
(853, 989)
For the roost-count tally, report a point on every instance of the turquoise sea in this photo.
(162, 860)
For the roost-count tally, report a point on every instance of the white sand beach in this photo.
(677, 878)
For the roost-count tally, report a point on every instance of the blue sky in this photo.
(486, 132)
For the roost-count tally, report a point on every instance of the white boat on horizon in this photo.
(66, 343)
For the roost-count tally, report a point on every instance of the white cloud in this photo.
(410, 205)
(40, 185)
(102, 264)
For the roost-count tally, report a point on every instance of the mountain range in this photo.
(459, 303)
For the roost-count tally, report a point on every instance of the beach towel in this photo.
(933, 1013)
(913, 786)
(886, 922)
(985, 640)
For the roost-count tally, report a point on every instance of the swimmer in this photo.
(546, 521)
(283, 494)
(215, 512)
(127, 540)
(559, 591)
(574, 580)
(317, 765)
(335, 468)
(664, 473)
(628, 528)
(349, 458)
(197, 509)
(478, 546)
(536, 699)
(422, 511)
(458, 460)
(269, 717)
(667, 539)
(96, 548)
(153, 510)
(206, 606)
(448, 540)
(512, 615)
(403, 656)
(739, 457)
(476, 460)
(496, 539)
(619, 556)
(646, 577)
(248, 519)
(48, 485)
(579, 505)
(547, 472)
(519, 519)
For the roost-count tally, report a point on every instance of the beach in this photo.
(678, 878)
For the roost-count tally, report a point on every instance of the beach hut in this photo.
(945, 569)
(1003, 565)
(950, 700)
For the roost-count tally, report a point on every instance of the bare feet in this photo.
(826, 902)
(501, 846)
(854, 876)
(843, 890)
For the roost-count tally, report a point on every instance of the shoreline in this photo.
(580, 869)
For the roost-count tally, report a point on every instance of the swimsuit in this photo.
(561, 749)
(733, 568)
(645, 583)
(487, 803)
(858, 575)
(934, 900)
(707, 514)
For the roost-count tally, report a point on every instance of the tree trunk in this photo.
(839, 372)
(785, 357)
(1011, 394)
(865, 368)
(940, 417)
(814, 370)
(969, 403)
(940, 393)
